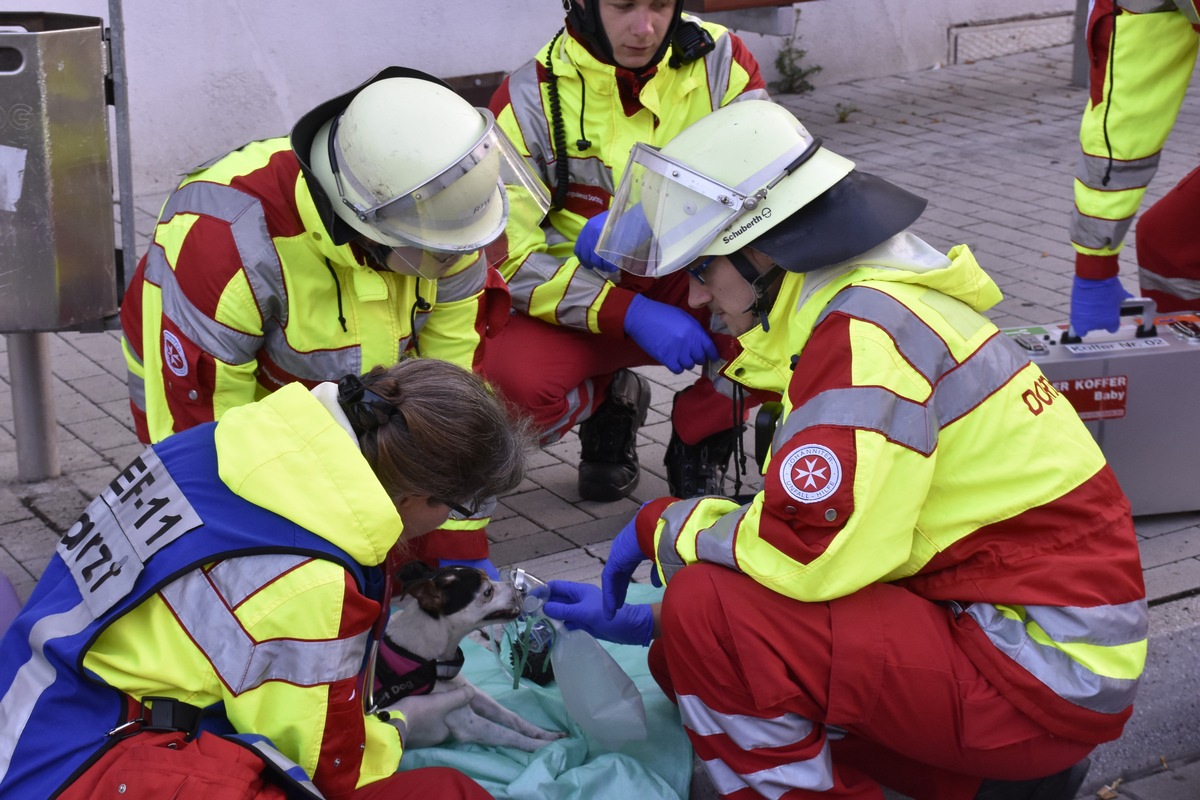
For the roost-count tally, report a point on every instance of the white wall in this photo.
(208, 75)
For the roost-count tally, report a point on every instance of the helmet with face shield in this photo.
(749, 173)
(406, 163)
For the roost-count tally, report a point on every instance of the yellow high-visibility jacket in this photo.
(278, 638)
(242, 290)
(612, 109)
(1142, 53)
(919, 446)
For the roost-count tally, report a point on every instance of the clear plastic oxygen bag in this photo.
(596, 692)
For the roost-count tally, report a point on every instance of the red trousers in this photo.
(559, 375)
(153, 766)
(1168, 247)
(822, 700)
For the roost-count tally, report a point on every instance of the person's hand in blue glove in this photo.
(1096, 304)
(585, 245)
(579, 606)
(478, 563)
(624, 557)
(668, 334)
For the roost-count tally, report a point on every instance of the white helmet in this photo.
(744, 174)
(407, 163)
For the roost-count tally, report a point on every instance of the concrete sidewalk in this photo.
(993, 146)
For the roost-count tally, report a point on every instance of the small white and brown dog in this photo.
(417, 670)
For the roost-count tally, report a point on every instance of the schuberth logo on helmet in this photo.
(811, 473)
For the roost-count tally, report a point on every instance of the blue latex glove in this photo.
(1096, 304)
(623, 559)
(578, 605)
(585, 245)
(479, 563)
(670, 335)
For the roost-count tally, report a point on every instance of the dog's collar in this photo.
(400, 673)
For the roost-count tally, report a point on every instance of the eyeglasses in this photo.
(697, 271)
(462, 511)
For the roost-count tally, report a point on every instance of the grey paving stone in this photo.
(599, 530)
(522, 549)
(1172, 782)
(1170, 547)
(547, 509)
(1172, 579)
(28, 541)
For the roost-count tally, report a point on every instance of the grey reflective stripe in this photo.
(868, 408)
(749, 733)
(745, 731)
(816, 775)
(525, 96)
(984, 373)
(315, 365)
(221, 341)
(535, 270)
(1187, 288)
(957, 387)
(1132, 174)
(135, 382)
(34, 677)
(714, 544)
(463, 284)
(243, 664)
(285, 765)
(235, 583)
(1096, 233)
(1106, 626)
(583, 290)
(248, 225)
(1189, 9)
(574, 399)
(917, 342)
(1056, 669)
(674, 518)
(719, 64)
(591, 172)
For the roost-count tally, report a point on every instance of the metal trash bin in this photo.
(57, 257)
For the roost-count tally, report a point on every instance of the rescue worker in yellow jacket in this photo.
(938, 588)
(211, 619)
(1141, 54)
(357, 240)
(620, 71)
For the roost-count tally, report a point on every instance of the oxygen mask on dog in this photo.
(523, 646)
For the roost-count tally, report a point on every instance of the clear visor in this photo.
(455, 211)
(665, 213)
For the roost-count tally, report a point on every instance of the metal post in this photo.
(33, 406)
(116, 57)
(1079, 60)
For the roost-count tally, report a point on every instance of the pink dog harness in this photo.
(400, 673)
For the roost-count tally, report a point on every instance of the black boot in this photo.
(608, 466)
(697, 470)
(1059, 786)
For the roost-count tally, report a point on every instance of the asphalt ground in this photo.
(993, 146)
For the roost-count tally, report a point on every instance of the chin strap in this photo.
(400, 673)
(760, 283)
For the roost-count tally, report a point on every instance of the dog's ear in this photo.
(428, 594)
(412, 571)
